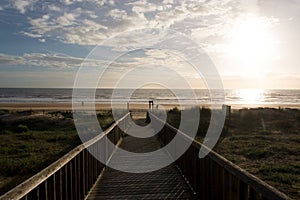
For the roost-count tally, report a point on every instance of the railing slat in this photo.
(202, 172)
(86, 181)
(82, 175)
(70, 183)
(65, 182)
(244, 191)
(59, 186)
(220, 182)
(235, 188)
(45, 190)
(75, 178)
(253, 194)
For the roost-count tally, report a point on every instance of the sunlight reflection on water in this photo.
(250, 96)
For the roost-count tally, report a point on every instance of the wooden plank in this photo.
(166, 183)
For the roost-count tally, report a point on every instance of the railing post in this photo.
(51, 188)
(37, 193)
(81, 177)
(208, 178)
(89, 171)
(198, 174)
(86, 175)
(97, 156)
(70, 181)
(214, 180)
(45, 190)
(244, 192)
(75, 178)
(80, 188)
(253, 195)
(95, 164)
(65, 182)
(221, 181)
(58, 185)
(235, 188)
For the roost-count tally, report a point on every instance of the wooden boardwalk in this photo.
(76, 174)
(166, 183)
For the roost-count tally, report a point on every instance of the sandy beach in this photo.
(132, 106)
(68, 106)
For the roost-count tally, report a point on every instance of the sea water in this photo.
(250, 97)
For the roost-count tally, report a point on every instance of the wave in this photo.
(161, 96)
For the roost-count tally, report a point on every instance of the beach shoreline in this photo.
(132, 106)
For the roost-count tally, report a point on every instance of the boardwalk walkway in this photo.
(76, 174)
(166, 183)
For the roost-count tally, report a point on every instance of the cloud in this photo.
(41, 60)
(10, 59)
(90, 22)
(58, 61)
(23, 5)
(51, 60)
(53, 8)
(66, 19)
(117, 14)
(144, 7)
(32, 35)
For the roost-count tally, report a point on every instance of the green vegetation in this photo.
(205, 115)
(30, 141)
(263, 141)
(281, 173)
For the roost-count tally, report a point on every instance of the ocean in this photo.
(244, 97)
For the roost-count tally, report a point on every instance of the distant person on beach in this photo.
(82, 103)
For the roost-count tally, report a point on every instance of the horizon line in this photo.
(111, 88)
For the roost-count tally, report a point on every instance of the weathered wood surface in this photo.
(166, 183)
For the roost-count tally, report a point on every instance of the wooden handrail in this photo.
(27, 186)
(212, 177)
(253, 184)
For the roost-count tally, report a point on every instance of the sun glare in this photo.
(251, 45)
(250, 96)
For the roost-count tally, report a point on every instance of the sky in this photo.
(249, 44)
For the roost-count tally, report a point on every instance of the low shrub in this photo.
(255, 152)
(21, 128)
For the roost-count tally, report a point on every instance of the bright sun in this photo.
(251, 45)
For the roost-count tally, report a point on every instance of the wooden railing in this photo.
(73, 175)
(214, 177)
